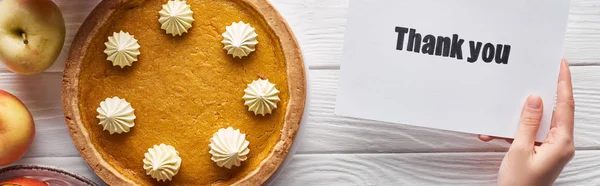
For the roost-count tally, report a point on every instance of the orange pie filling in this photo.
(184, 88)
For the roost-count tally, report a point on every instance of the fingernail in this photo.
(534, 102)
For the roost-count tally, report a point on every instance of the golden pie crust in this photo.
(167, 90)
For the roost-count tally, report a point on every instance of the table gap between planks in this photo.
(344, 151)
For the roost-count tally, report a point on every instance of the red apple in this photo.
(23, 182)
(32, 33)
(16, 128)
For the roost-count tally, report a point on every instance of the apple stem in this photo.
(24, 38)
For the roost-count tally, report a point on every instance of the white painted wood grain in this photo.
(469, 168)
(325, 133)
(319, 26)
(582, 42)
(340, 150)
(420, 169)
(72, 164)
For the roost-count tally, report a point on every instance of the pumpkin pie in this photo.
(184, 88)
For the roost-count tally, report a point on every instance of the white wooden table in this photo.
(348, 151)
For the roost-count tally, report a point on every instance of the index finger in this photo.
(565, 104)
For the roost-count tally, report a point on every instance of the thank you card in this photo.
(461, 65)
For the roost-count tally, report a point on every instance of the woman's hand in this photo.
(526, 163)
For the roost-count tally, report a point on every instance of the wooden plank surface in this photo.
(338, 150)
(319, 26)
(582, 42)
(470, 168)
(325, 132)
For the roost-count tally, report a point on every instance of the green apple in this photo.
(32, 33)
(16, 128)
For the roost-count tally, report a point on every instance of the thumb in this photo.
(529, 123)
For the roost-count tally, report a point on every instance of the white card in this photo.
(423, 80)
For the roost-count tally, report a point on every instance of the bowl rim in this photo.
(48, 168)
